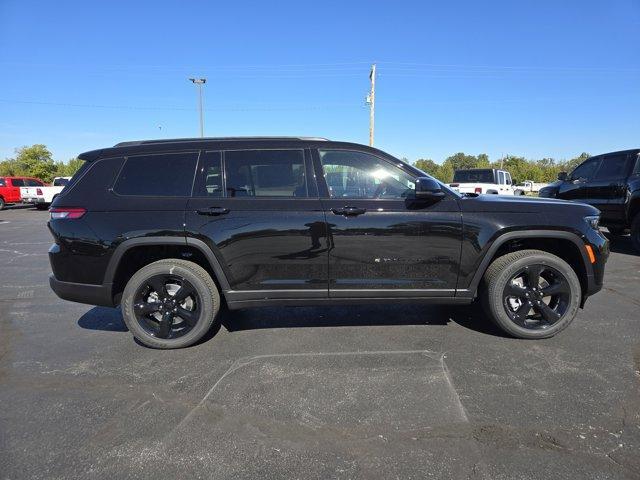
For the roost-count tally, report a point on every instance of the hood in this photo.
(523, 204)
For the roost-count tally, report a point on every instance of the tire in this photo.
(42, 206)
(530, 316)
(635, 232)
(144, 313)
(2, 204)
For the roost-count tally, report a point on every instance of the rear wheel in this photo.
(531, 294)
(617, 231)
(42, 206)
(170, 303)
(635, 232)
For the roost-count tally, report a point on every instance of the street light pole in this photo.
(199, 82)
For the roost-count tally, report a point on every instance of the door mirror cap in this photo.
(563, 176)
(428, 189)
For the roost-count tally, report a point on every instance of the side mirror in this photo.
(428, 189)
(563, 176)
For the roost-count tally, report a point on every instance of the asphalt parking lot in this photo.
(342, 392)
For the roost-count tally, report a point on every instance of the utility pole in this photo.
(371, 101)
(200, 82)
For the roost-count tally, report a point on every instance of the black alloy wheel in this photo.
(167, 306)
(536, 297)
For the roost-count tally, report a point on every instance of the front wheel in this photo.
(2, 204)
(531, 294)
(170, 303)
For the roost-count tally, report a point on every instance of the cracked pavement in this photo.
(340, 392)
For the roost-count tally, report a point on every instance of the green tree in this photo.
(69, 168)
(427, 166)
(34, 161)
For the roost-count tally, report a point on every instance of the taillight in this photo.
(62, 212)
(478, 190)
(38, 191)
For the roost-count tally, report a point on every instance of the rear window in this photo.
(60, 182)
(473, 176)
(265, 173)
(165, 174)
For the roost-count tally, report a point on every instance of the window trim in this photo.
(322, 181)
(305, 161)
(112, 189)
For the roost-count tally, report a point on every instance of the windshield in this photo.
(473, 176)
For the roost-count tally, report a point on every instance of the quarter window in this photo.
(161, 175)
(265, 173)
(351, 174)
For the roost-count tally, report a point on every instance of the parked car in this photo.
(169, 229)
(529, 186)
(42, 197)
(484, 180)
(611, 183)
(10, 188)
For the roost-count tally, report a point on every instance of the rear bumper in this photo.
(33, 200)
(82, 292)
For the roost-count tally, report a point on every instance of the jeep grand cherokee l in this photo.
(172, 230)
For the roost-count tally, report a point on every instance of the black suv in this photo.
(609, 182)
(171, 230)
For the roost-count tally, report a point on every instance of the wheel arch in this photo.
(133, 254)
(566, 245)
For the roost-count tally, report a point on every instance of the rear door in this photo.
(382, 245)
(576, 186)
(259, 212)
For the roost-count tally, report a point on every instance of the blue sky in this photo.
(534, 78)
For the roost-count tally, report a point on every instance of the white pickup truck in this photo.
(531, 186)
(42, 197)
(484, 180)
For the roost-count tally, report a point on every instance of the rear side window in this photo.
(612, 167)
(265, 173)
(32, 183)
(17, 182)
(209, 176)
(158, 175)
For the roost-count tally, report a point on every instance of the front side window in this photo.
(501, 180)
(612, 167)
(351, 174)
(158, 175)
(585, 170)
(508, 178)
(2, 183)
(265, 173)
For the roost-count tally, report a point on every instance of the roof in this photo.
(212, 139)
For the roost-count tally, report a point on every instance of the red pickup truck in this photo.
(10, 188)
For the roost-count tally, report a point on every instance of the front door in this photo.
(607, 189)
(576, 187)
(259, 212)
(382, 245)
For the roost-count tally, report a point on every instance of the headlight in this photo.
(593, 221)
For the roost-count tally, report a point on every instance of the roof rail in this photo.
(209, 139)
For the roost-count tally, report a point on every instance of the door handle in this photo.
(349, 211)
(213, 211)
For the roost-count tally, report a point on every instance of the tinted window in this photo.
(636, 168)
(585, 170)
(473, 176)
(17, 182)
(166, 174)
(265, 173)
(612, 167)
(2, 184)
(32, 183)
(209, 179)
(60, 182)
(360, 175)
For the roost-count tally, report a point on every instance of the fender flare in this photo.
(518, 234)
(121, 249)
